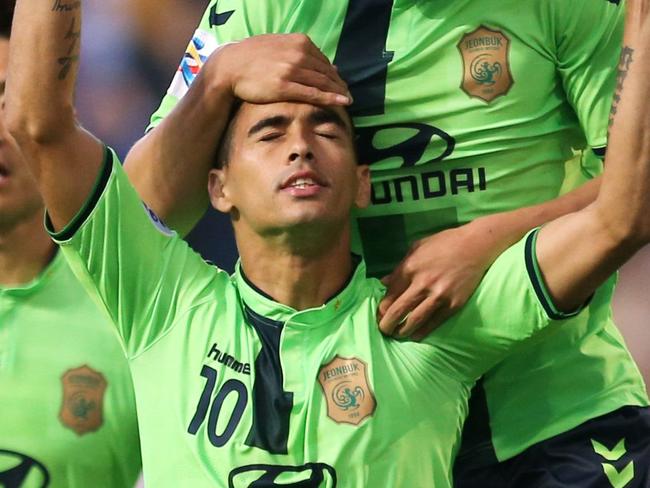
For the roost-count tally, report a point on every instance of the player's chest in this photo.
(291, 405)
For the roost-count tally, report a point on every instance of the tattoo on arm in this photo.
(623, 69)
(60, 6)
(66, 62)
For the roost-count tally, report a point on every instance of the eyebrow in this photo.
(316, 117)
(327, 116)
(275, 121)
(2, 86)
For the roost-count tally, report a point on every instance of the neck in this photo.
(25, 249)
(294, 274)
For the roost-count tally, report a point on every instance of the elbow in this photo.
(631, 231)
(41, 129)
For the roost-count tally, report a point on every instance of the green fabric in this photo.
(174, 312)
(47, 328)
(524, 147)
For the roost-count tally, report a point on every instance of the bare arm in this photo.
(64, 158)
(441, 271)
(169, 166)
(578, 252)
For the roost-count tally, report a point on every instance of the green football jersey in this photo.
(68, 411)
(467, 108)
(235, 389)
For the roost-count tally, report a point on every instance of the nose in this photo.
(300, 149)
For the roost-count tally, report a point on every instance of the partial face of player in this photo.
(291, 166)
(19, 198)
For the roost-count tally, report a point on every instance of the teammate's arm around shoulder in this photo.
(578, 252)
(64, 158)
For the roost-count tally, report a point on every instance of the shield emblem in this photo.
(486, 63)
(83, 399)
(347, 390)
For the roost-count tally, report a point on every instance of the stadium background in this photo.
(130, 51)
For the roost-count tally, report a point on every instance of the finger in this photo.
(422, 315)
(407, 302)
(396, 284)
(438, 319)
(317, 61)
(318, 80)
(297, 92)
(332, 70)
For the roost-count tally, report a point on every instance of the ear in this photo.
(362, 199)
(218, 190)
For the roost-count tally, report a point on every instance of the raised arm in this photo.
(169, 166)
(64, 158)
(578, 252)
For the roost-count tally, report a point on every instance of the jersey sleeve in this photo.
(141, 273)
(223, 22)
(510, 306)
(588, 36)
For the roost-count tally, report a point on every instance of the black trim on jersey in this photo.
(271, 404)
(539, 286)
(534, 279)
(599, 151)
(100, 184)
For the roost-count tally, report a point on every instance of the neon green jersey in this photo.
(465, 108)
(68, 410)
(462, 108)
(233, 387)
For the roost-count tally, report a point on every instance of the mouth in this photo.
(303, 183)
(4, 172)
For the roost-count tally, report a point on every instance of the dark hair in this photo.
(6, 16)
(225, 144)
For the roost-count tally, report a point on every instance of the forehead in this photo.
(250, 113)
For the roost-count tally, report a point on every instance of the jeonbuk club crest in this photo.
(486, 63)
(83, 399)
(347, 390)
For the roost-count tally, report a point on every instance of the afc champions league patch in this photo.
(347, 390)
(157, 221)
(486, 63)
(198, 50)
(83, 399)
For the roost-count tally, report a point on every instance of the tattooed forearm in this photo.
(623, 69)
(60, 6)
(66, 62)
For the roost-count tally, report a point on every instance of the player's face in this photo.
(290, 165)
(19, 198)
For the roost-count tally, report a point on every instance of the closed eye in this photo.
(270, 136)
(327, 135)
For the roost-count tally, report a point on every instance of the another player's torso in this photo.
(459, 106)
(68, 412)
(318, 396)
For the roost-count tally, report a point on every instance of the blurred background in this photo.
(131, 49)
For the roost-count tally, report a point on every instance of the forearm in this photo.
(624, 201)
(39, 104)
(169, 166)
(578, 252)
(502, 230)
(40, 88)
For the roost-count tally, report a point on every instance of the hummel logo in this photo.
(618, 479)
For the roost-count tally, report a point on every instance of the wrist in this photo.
(218, 78)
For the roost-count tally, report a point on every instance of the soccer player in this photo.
(67, 409)
(278, 376)
(463, 109)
